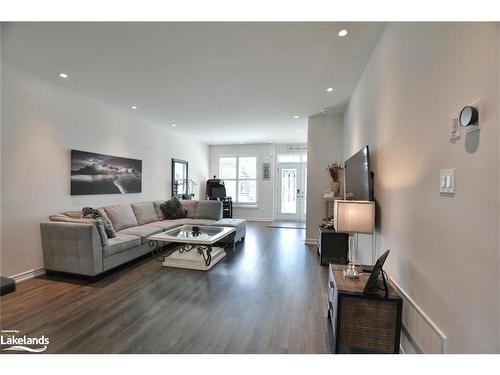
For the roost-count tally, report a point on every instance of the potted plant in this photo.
(334, 169)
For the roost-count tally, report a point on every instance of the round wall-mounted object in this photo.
(468, 116)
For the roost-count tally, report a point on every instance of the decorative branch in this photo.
(334, 169)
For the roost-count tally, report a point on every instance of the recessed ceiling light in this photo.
(296, 116)
(63, 75)
(173, 125)
(134, 107)
(329, 89)
(198, 136)
(298, 131)
(242, 143)
(343, 33)
(269, 141)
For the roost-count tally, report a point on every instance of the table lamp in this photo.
(353, 217)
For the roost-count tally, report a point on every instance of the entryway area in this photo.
(291, 187)
(287, 224)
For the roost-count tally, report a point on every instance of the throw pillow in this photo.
(92, 213)
(101, 228)
(173, 209)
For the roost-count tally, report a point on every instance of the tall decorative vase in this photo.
(336, 188)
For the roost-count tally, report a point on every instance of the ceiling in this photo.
(223, 83)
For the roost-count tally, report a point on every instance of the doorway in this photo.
(292, 187)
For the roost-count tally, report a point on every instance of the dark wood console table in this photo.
(362, 323)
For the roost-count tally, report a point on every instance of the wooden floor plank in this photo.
(268, 296)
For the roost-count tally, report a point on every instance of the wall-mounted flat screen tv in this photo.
(357, 176)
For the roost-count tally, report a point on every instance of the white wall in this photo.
(1, 26)
(41, 122)
(265, 189)
(444, 250)
(324, 140)
(498, 92)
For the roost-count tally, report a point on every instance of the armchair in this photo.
(215, 190)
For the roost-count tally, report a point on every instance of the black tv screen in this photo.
(358, 182)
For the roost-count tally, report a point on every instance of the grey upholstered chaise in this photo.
(71, 244)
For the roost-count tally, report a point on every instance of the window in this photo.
(240, 178)
(292, 158)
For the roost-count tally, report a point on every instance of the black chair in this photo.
(216, 190)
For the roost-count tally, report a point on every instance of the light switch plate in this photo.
(447, 181)
(454, 127)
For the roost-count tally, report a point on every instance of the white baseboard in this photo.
(254, 219)
(311, 241)
(28, 274)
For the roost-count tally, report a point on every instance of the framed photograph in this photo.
(93, 173)
(266, 171)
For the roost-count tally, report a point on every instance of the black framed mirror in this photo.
(180, 178)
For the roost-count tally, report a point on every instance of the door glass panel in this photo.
(304, 194)
(289, 190)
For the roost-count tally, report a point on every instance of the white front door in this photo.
(291, 191)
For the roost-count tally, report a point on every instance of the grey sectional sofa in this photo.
(73, 245)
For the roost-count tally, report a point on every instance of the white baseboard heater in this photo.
(419, 333)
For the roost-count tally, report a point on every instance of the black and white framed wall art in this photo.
(266, 171)
(93, 173)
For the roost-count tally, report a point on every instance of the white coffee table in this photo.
(198, 247)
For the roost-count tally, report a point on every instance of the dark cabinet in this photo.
(363, 323)
(333, 247)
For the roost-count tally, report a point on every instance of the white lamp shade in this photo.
(354, 216)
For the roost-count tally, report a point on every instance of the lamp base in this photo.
(351, 272)
(349, 275)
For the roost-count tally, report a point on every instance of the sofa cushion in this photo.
(159, 211)
(190, 205)
(121, 215)
(144, 212)
(99, 224)
(235, 223)
(239, 224)
(187, 221)
(122, 242)
(164, 224)
(89, 212)
(73, 214)
(209, 210)
(143, 231)
(173, 209)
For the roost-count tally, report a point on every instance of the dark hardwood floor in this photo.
(269, 296)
